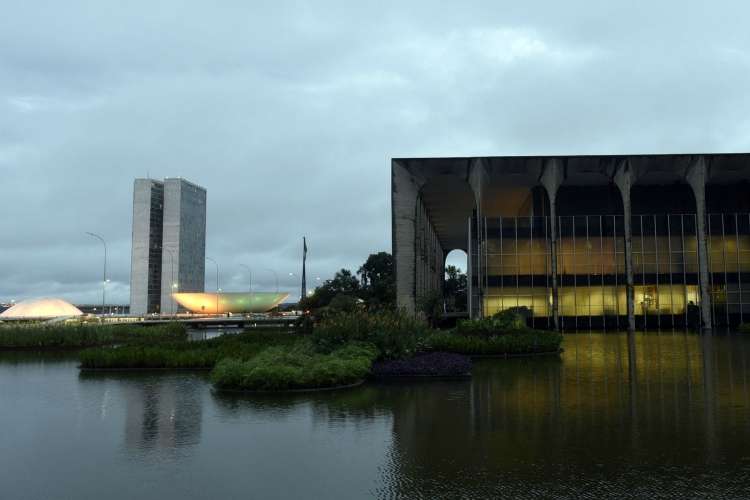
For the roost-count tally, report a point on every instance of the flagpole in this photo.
(303, 293)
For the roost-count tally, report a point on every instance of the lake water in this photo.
(665, 415)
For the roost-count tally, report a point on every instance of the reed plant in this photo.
(515, 343)
(81, 335)
(196, 355)
(394, 333)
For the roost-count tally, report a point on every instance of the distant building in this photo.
(169, 243)
(230, 302)
(107, 309)
(44, 308)
(655, 241)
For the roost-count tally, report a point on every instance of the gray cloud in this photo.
(289, 113)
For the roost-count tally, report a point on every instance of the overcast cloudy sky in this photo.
(289, 112)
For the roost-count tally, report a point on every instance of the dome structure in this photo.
(43, 308)
(229, 302)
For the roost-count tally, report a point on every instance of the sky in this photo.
(289, 113)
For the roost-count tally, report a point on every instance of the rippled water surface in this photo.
(666, 415)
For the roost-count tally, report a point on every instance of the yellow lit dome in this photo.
(41, 308)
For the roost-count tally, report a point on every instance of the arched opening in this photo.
(674, 198)
(665, 255)
(449, 201)
(588, 200)
(445, 205)
(455, 284)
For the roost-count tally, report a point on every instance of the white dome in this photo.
(41, 308)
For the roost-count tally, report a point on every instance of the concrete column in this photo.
(469, 272)
(404, 193)
(624, 179)
(552, 177)
(477, 178)
(696, 176)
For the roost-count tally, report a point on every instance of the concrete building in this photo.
(581, 241)
(169, 243)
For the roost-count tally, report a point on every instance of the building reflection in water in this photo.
(647, 415)
(655, 413)
(161, 412)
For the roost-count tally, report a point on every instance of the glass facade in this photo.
(729, 263)
(517, 261)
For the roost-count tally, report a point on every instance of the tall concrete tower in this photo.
(169, 243)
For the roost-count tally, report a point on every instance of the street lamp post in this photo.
(276, 277)
(250, 271)
(104, 279)
(217, 282)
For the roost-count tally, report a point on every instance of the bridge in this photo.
(210, 321)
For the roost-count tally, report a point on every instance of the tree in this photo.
(378, 281)
(375, 288)
(343, 283)
(455, 289)
(431, 305)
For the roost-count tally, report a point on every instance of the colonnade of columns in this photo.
(429, 255)
(419, 256)
(624, 177)
(417, 253)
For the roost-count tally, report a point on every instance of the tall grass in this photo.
(394, 333)
(520, 342)
(76, 336)
(203, 354)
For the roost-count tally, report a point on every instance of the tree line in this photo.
(373, 287)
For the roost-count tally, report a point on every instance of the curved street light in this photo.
(217, 282)
(251, 276)
(104, 279)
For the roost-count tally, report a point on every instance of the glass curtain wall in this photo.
(518, 266)
(729, 263)
(591, 269)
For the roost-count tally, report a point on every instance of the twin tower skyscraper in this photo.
(169, 243)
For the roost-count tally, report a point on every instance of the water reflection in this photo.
(161, 412)
(662, 405)
(358, 406)
(657, 414)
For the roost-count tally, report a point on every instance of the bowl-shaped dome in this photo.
(41, 308)
(229, 302)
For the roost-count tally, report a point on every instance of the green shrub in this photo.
(304, 325)
(431, 305)
(80, 335)
(297, 367)
(394, 333)
(202, 354)
(501, 323)
(143, 356)
(518, 342)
